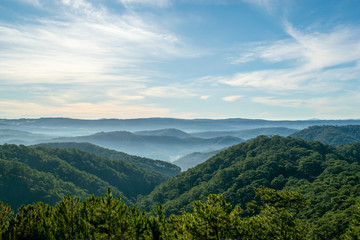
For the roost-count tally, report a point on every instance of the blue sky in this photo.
(269, 59)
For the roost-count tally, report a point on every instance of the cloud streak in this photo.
(309, 61)
(232, 98)
(89, 45)
(154, 3)
(107, 109)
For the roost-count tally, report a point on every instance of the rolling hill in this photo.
(20, 137)
(329, 177)
(192, 159)
(162, 167)
(247, 133)
(333, 135)
(172, 132)
(29, 174)
(156, 147)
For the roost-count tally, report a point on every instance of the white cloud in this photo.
(232, 98)
(268, 79)
(81, 110)
(310, 61)
(89, 44)
(168, 92)
(205, 97)
(321, 107)
(310, 50)
(271, 101)
(156, 3)
(247, 57)
(321, 50)
(268, 5)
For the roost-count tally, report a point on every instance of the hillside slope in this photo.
(192, 159)
(162, 167)
(44, 174)
(329, 177)
(333, 135)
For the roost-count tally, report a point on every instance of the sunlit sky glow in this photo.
(269, 59)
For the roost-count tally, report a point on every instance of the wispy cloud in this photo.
(205, 97)
(327, 107)
(169, 92)
(279, 102)
(88, 45)
(268, 5)
(155, 3)
(87, 59)
(232, 98)
(309, 61)
(105, 109)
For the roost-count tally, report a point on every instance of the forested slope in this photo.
(106, 217)
(192, 159)
(163, 167)
(333, 135)
(44, 174)
(329, 177)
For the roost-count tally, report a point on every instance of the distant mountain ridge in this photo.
(143, 124)
(172, 132)
(19, 137)
(247, 133)
(155, 147)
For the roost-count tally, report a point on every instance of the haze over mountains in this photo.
(77, 127)
(158, 138)
(228, 162)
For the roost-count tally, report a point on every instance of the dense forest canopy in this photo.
(163, 167)
(107, 217)
(31, 174)
(329, 177)
(265, 187)
(333, 135)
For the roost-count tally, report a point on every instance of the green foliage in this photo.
(333, 135)
(327, 176)
(213, 219)
(162, 167)
(315, 188)
(5, 215)
(353, 231)
(107, 217)
(30, 174)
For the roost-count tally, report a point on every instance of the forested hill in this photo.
(333, 135)
(192, 159)
(29, 174)
(329, 177)
(163, 167)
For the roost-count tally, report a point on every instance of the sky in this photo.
(259, 59)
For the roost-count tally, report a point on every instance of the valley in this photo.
(320, 162)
